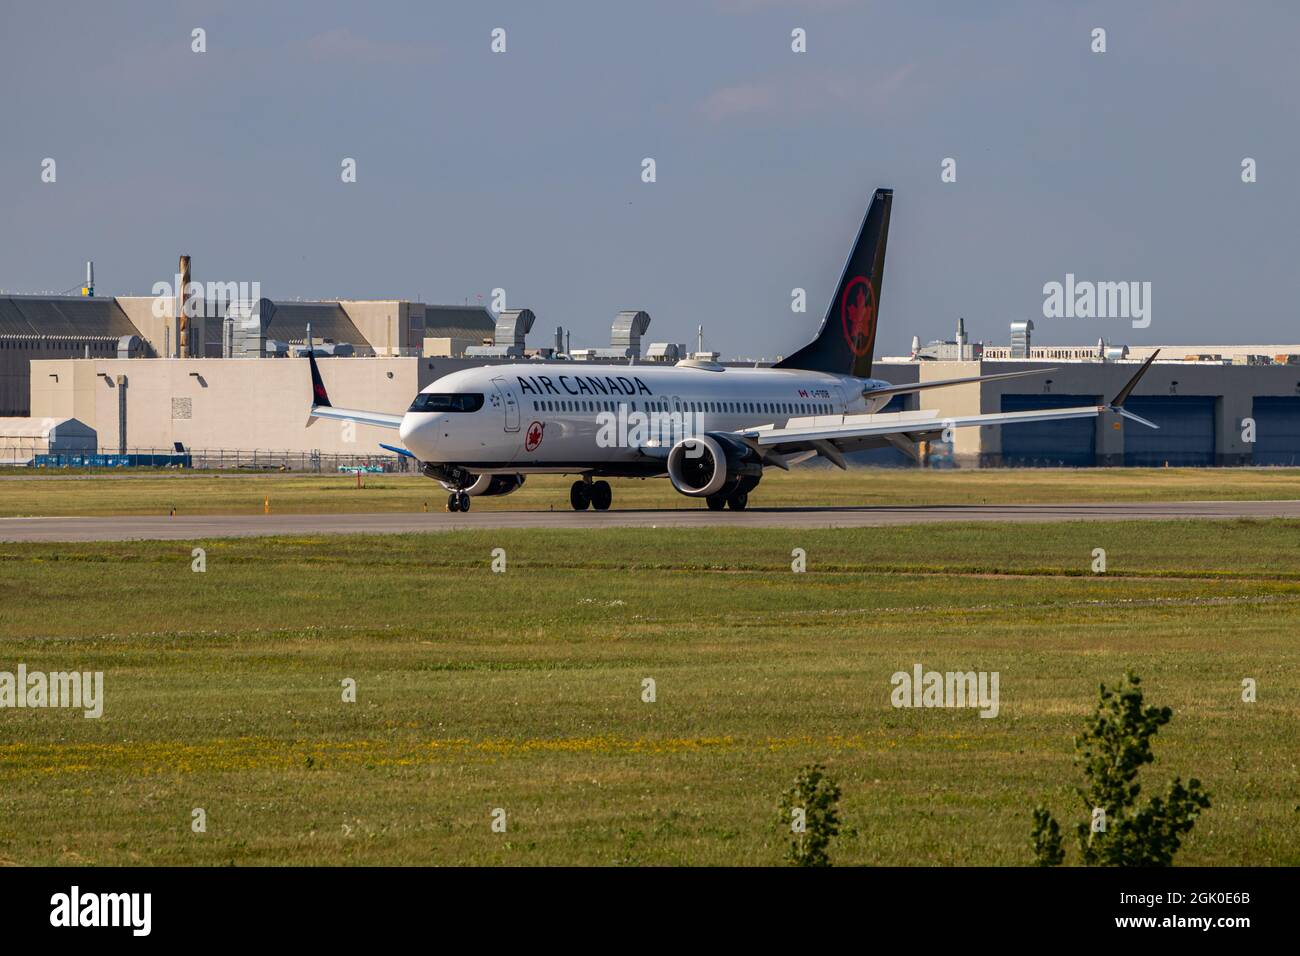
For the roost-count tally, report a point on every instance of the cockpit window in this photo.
(444, 402)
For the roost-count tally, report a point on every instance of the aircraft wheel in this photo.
(464, 500)
(716, 502)
(738, 500)
(601, 496)
(579, 497)
(453, 501)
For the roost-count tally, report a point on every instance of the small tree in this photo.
(1116, 742)
(809, 810)
(1047, 839)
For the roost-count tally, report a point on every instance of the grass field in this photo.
(153, 493)
(522, 690)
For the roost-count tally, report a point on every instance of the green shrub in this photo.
(808, 810)
(1116, 742)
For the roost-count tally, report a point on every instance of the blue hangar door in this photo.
(1065, 444)
(1185, 436)
(1277, 430)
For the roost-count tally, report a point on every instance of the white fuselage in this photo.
(549, 417)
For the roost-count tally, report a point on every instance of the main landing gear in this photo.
(596, 494)
(737, 500)
(458, 501)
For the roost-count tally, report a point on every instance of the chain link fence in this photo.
(225, 459)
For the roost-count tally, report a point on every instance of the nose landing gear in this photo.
(458, 501)
(595, 494)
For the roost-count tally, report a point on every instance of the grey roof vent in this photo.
(513, 325)
(627, 330)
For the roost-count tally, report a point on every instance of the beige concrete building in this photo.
(212, 404)
(56, 327)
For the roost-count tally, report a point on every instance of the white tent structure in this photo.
(23, 438)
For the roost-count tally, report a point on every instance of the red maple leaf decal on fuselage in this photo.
(534, 436)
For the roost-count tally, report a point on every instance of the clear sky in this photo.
(522, 170)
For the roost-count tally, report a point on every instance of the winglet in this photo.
(1117, 403)
(319, 397)
(1119, 400)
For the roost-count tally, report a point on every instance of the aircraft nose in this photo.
(419, 433)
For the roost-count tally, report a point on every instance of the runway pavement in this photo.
(186, 527)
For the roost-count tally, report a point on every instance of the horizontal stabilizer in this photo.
(321, 407)
(358, 415)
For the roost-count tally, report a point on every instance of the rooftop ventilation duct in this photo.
(513, 326)
(627, 330)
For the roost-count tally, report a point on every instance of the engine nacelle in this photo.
(455, 478)
(489, 486)
(713, 464)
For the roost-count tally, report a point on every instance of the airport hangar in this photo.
(116, 366)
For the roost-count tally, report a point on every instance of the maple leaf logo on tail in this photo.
(858, 315)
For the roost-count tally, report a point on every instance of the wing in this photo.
(321, 407)
(869, 392)
(832, 436)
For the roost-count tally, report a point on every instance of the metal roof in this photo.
(63, 315)
(288, 321)
(458, 321)
(78, 316)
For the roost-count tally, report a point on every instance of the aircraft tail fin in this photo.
(319, 397)
(846, 340)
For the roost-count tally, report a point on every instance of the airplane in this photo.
(712, 430)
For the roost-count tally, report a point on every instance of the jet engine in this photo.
(489, 486)
(455, 478)
(713, 464)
